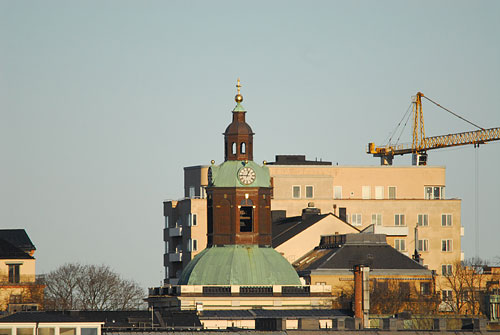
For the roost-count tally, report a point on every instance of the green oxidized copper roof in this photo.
(239, 265)
(239, 108)
(226, 174)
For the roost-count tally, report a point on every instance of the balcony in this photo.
(175, 257)
(391, 230)
(175, 232)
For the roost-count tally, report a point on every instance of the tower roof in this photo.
(239, 265)
(226, 174)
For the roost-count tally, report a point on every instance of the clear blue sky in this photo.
(103, 103)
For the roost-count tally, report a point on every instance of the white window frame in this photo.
(446, 269)
(446, 295)
(293, 191)
(447, 245)
(379, 192)
(312, 191)
(400, 244)
(423, 245)
(447, 219)
(377, 219)
(357, 219)
(337, 192)
(431, 195)
(399, 216)
(366, 192)
(423, 220)
(389, 192)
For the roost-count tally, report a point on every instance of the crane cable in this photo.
(449, 111)
(397, 126)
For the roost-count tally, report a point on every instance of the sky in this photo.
(102, 104)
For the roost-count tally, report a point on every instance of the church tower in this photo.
(239, 248)
(239, 190)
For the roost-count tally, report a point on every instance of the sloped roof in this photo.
(274, 313)
(226, 174)
(10, 251)
(377, 255)
(18, 238)
(285, 229)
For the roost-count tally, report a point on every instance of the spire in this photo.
(238, 98)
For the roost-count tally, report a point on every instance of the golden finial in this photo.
(238, 98)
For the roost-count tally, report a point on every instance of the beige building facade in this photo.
(391, 200)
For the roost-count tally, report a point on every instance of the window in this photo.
(400, 244)
(14, 273)
(67, 331)
(233, 148)
(446, 245)
(379, 192)
(296, 192)
(47, 331)
(243, 147)
(392, 192)
(423, 245)
(166, 274)
(365, 192)
(191, 192)
(446, 295)
(166, 247)
(192, 245)
(446, 220)
(166, 221)
(425, 288)
(377, 219)
(24, 331)
(337, 192)
(194, 219)
(399, 220)
(246, 219)
(356, 219)
(309, 192)
(423, 219)
(404, 290)
(434, 192)
(88, 331)
(446, 269)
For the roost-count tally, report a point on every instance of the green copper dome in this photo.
(226, 174)
(239, 265)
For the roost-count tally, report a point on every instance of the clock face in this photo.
(246, 175)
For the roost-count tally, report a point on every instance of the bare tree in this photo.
(466, 282)
(90, 287)
(61, 287)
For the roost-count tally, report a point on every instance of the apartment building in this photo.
(391, 200)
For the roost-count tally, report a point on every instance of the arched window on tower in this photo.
(233, 148)
(243, 147)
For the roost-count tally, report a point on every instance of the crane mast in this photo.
(420, 144)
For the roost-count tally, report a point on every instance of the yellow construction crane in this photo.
(421, 144)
